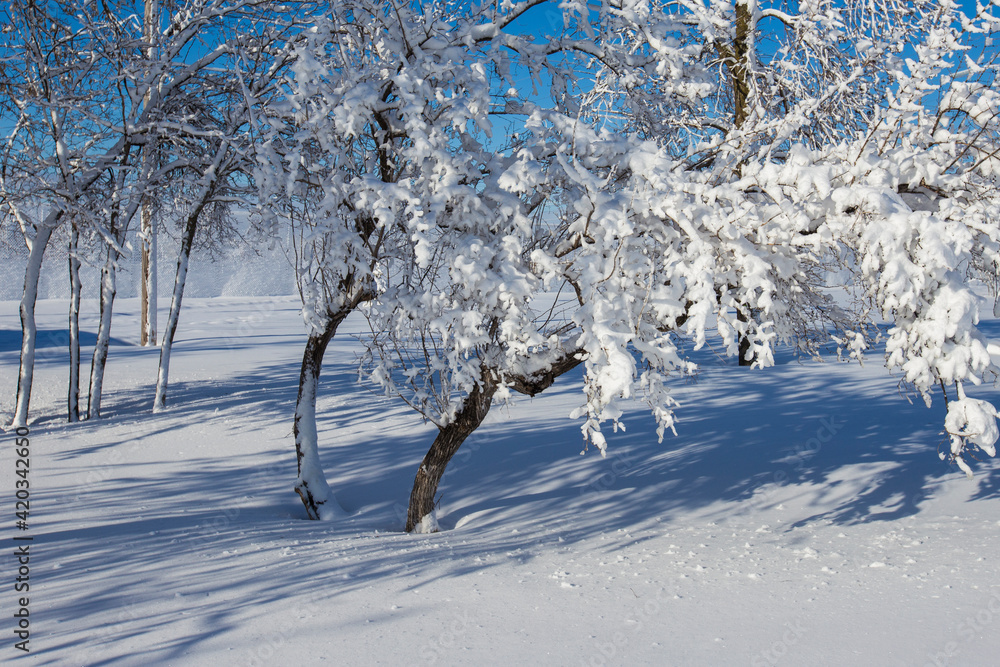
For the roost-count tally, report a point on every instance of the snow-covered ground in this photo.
(801, 516)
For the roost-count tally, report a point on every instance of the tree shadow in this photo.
(835, 446)
(838, 448)
(49, 339)
(242, 529)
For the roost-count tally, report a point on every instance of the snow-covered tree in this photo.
(581, 204)
(379, 152)
(914, 206)
(671, 217)
(471, 295)
(327, 170)
(863, 136)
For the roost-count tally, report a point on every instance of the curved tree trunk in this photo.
(99, 362)
(166, 345)
(445, 446)
(32, 273)
(209, 181)
(75, 287)
(468, 419)
(311, 484)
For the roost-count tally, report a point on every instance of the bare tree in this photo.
(92, 91)
(218, 175)
(54, 89)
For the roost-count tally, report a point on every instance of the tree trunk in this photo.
(445, 446)
(75, 288)
(147, 289)
(311, 484)
(468, 419)
(209, 179)
(97, 365)
(740, 71)
(741, 109)
(166, 345)
(32, 273)
(746, 359)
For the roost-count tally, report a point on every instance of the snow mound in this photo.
(428, 524)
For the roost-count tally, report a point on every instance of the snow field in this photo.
(801, 516)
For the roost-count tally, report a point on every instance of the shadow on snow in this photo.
(839, 446)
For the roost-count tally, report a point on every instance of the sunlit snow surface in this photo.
(800, 516)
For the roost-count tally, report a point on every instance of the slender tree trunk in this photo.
(209, 179)
(741, 103)
(75, 288)
(148, 287)
(180, 280)
(99, 362)
(32, 274)
(740, 71)
(311, 484)
(445, 446)
(147, 224)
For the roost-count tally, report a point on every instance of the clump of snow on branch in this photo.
(971, 421)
